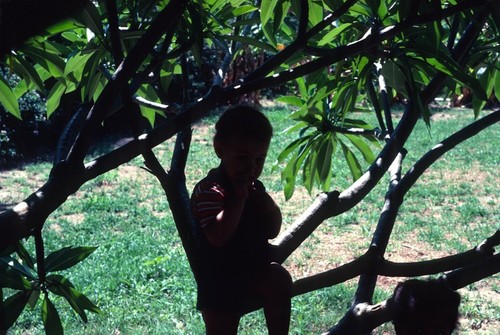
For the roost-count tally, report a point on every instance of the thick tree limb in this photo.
(362, 318)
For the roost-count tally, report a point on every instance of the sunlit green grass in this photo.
(139, 275)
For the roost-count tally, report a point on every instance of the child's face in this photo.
(242, 158)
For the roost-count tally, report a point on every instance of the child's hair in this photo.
(422, 301)
(245, 120)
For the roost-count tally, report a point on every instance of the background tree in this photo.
(121, 58)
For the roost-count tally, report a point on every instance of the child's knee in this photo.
(280, 278)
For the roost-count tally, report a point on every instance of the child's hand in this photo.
(242, 187)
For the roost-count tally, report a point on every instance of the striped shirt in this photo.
(208, 201)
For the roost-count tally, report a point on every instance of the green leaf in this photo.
(289, 173)
(50, 316)
(361, 9)
(301, 83)
(90, 76)
(20, 89)
(270, 33)
(325, 157)
(364, 148)
(13, 306)
(62, 26)
(10, 276)
(291, 147)
(12, 264)
(216, 6)
(442, 61)
(76, 64)
(487, 77)
(309, 170)
(99, 87)
(196, 32)
(61, 286)
(8, 98)
(49, 61)
(315, 12)
(267, 10)
(394, 77)
(89, 16)
(356, 123)
(67, 257)
(25, 256)
(33, 298)
(148, 92)
(351, 161)
(291, 100)
(241, 10)
(54, 97)
(382, 10)
(330, 36)
(25, 70)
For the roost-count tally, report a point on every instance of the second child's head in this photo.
(425, 307)
(241, 141)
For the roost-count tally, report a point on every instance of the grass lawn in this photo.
(140, 278)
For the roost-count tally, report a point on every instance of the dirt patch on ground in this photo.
(478, 176)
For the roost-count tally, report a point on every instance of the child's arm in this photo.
(226, 222)
(271, 214)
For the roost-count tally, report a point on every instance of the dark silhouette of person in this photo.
(235, 218)
(425, 307)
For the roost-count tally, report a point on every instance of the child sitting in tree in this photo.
(235, 218)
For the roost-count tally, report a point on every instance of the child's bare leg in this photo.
(275, 287)
(220, 323)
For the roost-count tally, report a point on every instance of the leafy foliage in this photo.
(336, 53)
(29, 278)
(76, 55)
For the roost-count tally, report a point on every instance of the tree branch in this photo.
(362, 318)
(376, 105)
(384, 97)
(446, 145)
(114, 31)
(304, 18)
(370, 263)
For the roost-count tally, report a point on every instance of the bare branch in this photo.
(385, 98)
(304, 18)
(376, 104)
(446, 145)
(114, 31)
